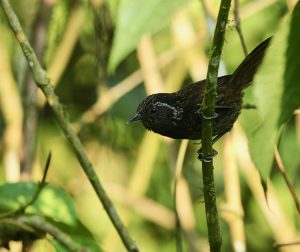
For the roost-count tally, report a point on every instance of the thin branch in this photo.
(12, 114)
(210, 21)
(281, 168)
(41, 224)
(208, 111)
(64, 49)
(179, 247)
(30, 121)
(178, 176)
(238, 26)
(43, 82)
(280, 245)
(41, 185)
(232, 209)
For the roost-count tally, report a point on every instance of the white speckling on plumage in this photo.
(177, 112)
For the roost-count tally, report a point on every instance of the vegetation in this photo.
(102, 58)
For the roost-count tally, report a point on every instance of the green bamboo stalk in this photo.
(208, 111)
(43, 82)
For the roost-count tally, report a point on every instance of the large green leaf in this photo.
(137, 18)
(52, 202)
(276, 92)
(291, 94)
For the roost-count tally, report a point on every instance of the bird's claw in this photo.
(248, 106)
(207, 158)
(210, 117)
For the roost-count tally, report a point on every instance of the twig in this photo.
(179, 247)
(281, 168)
(253, 7)
(208, 110)
(279, 245)
(64, 49)
(30, 121)
(43, 82)
(12, 114)
(210, 24)
(178, 176)
(41, 224)
(106, 100)
(153, 80)
(232, 210)
(41, 185)
(238, 26)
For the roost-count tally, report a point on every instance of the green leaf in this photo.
(52, 202)
(137, 18)
(291, 94)
(276, 91)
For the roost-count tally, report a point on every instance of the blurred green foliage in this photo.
(114, 146)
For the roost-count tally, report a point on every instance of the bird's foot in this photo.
(207, 158)
(210, 117)
(248, 106)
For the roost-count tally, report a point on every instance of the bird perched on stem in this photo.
(176, 115)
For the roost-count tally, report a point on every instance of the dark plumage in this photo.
(176, 114)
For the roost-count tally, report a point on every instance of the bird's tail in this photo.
(243, 75)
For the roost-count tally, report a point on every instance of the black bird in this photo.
(176, 115)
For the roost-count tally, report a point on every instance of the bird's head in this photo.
(158, 111)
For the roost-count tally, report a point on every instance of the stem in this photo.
(177, 220)
(30, 121)
(208, 110)
(43, 82)
(40, 224)
(289, 184)
(238, 26)
(176, 199)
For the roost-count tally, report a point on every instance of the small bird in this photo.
(176, 115)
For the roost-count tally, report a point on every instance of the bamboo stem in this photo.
(208, 111)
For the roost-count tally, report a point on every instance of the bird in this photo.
(178, 115)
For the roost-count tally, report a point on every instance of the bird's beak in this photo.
(135, 118)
